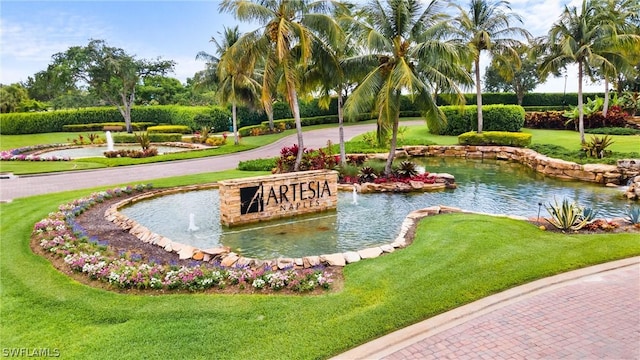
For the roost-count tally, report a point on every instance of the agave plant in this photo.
(406, 169)
(144, 140)
(566, 216)
(589, 214)
(633, 215)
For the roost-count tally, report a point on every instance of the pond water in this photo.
(98, 151)
(484, 186)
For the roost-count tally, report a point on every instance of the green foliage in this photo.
(143, 139)
(495, 138)
(258, 164)
(588, 108)
(633, 215)
(54, 121)
(613, 131)
(169, 129)
(368, 174)
(566, 216)
(406, 169)
(100, 126)
(217, 118)
(596, 146)
(496, 118)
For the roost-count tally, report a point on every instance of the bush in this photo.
(154, 137)
(502, 138)
(169, 129)
(613, 131)
(100, 126)
(495, 118)
(558, 121)
(258, 164)
(217, 118)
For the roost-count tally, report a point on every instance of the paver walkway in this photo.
(592, 313)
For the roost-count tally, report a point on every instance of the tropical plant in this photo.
(486, 26)
(143, 139)
(406, 169)
(367, 174)
(284, 42)
(633, 215)
(596, 146)
(407, 53)
(566, 216)
(584, 37)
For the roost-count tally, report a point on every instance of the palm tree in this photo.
(620, 46)
(326, 74)
(289, 28)
(210, 77)
(405, 49)
(580, 37)
(486, 26)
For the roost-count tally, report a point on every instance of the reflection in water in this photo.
(485, 186)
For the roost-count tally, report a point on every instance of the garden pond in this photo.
(489, 186)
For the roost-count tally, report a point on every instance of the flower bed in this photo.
(19, 153)
(60, 236)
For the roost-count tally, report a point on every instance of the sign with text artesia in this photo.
(262, 198)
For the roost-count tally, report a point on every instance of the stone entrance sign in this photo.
(261, 198)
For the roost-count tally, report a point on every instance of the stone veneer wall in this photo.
(597, 173)
(278, 196)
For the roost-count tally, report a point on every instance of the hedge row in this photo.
(495, 118)
(530, 99)
(54, 121)
(284, 124)
(169, 129)
(501, 138)
(100, 126)
(557, 121)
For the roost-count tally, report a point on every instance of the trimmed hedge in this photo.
(502, 138)
(530, 99)
(54, 121)
(495, 118)
(125, 138)
(100, 126)
(169, 129)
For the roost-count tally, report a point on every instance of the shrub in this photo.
(495, 118)
(406, 169)
(495, 138)
(169, 129)
(596, 146)
(613, 131)
(566, 216)
(557, 120)
(100, 126)
(149, 152)
(216, 141)
(217, 118)
(258, 164)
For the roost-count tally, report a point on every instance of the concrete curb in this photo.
(402, 338)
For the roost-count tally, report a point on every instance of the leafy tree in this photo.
(159, 90)
(486, 26)
(406, 54)
(110, 73)
(289, 28)
(507, 76)
(11, 97)
(581, 37)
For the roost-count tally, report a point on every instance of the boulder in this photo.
(333, 259)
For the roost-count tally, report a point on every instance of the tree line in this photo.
(367, 55)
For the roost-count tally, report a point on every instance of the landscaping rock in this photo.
(370, 253)
(333, 259)
(351, 257)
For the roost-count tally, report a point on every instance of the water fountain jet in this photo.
(110, 146)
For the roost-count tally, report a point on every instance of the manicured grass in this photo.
(571, 140)
(454, 259)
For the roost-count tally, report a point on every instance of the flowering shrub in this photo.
(60, 235)
(311, 159)
(19, 154)
(131, 153)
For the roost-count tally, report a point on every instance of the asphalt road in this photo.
(24, 186)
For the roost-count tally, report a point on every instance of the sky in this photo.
(32, 31)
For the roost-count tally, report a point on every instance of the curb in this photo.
(402, 338)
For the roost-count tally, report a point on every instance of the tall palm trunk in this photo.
(234, 117)
(605, 107)
(393, 145)
(343, 154)
(478, 94)
(295, 109)
(580, 106)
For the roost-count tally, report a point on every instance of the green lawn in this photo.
(455, 259)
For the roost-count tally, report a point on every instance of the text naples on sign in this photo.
(276, 196)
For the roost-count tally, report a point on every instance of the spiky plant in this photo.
(566, 216)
